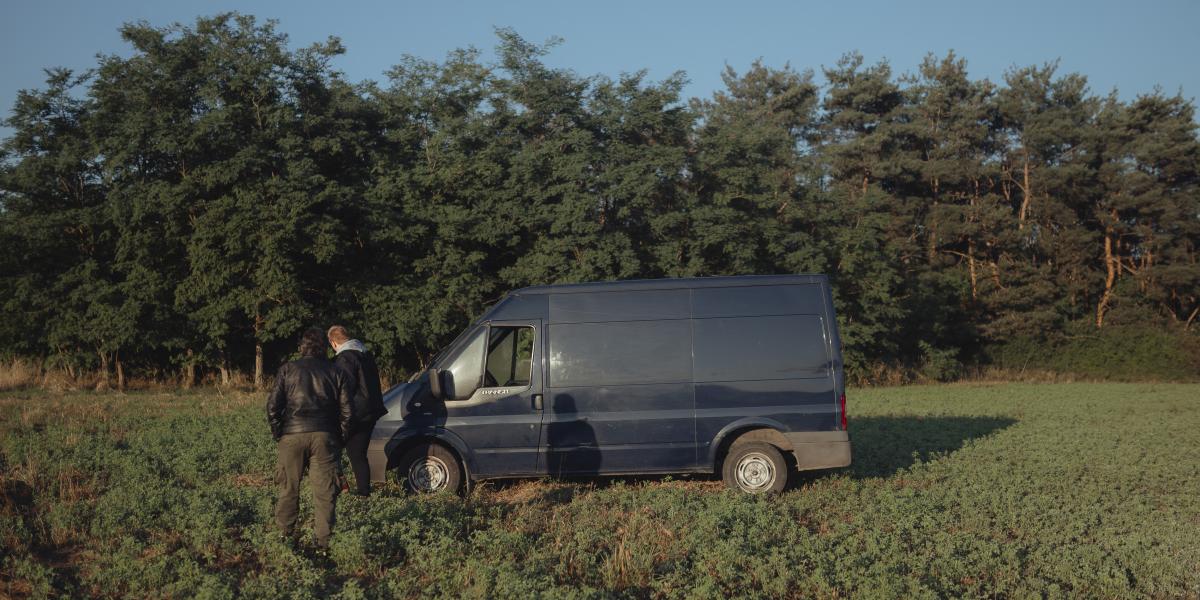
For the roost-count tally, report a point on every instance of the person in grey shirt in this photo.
(358, 363)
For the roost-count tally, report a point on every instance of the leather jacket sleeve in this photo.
(345, 403)
(277, 404)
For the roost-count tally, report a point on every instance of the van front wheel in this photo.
(429, 469)
(755, 468)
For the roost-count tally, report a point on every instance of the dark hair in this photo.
(312, 343)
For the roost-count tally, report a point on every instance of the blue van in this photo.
(737, 375)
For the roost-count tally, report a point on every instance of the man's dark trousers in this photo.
(318, 450)
(356, 447)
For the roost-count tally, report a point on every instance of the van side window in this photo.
(510, 357)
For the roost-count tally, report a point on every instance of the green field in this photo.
(1013, 490)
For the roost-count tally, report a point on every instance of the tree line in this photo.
(192, 207)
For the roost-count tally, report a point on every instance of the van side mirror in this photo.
(435, 384)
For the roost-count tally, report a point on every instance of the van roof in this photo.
(672, 284)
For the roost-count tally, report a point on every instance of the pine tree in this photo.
(753, 174)
(1042, 123)
(868, 244)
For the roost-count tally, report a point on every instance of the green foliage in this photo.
(938, 364)
(205, 197)
(1061, 490)
(1128, 352)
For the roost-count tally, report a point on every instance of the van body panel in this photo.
(621, 393)
(382, 452)
(732, 427)
(757, 301)
(683, 283)
(759, 348)
(620, 353)
(603, 307)
(629, 427)
(799, 404)
(502, 434)
(516, 307)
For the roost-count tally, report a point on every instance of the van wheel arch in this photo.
(749, 434)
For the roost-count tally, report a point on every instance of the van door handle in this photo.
(537, 402)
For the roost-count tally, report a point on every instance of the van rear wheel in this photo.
(755, 468)
(430, 469)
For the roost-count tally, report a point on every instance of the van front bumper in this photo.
(820, 449)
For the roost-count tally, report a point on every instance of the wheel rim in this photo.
(755, 472)
(429, 474)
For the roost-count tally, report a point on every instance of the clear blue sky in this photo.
(1131, 46)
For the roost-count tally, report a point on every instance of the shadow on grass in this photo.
(562, 490)
(883, 446)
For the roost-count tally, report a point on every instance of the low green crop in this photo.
(1066, 490)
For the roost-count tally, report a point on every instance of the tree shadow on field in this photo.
(882, 446)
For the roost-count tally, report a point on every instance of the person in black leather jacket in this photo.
(354, 358)
(310, 411)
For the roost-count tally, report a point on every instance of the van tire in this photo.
(430, 468)
(755, 468)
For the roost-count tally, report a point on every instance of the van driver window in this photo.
(464, 367)
(510, 357)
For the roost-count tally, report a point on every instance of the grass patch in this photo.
(957, 490)
(17, 373)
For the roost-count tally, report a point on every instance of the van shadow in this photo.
(564, 489)
(883, 446)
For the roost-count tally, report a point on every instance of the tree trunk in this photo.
(1026, 196)
(932, 250)
(258, 365)
(258, 350)
(103, 383)
(120, 371)
(189, 371)
(971, 267)
(1110, 278)
(971, 246)
(224, 370)
(1004, 181)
